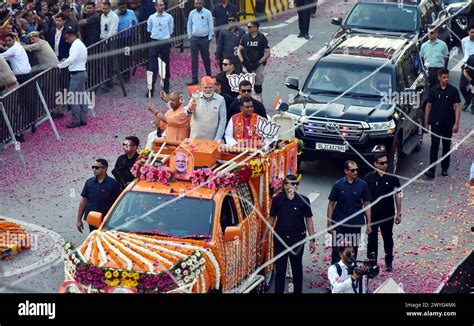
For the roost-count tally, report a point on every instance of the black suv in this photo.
(340, 110)
(408, 19)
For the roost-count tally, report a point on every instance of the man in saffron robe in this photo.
(176, 121)
(242, 127)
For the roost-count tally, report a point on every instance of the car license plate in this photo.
(331, 147)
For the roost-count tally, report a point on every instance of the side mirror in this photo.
(292, 83)
(336, 21)
(94, 219)
(283, 107)
(442, 14)
(232, 233)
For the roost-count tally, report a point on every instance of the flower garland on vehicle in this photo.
(209, 179)
(300, 144)
(257, 167)
(184, 272)
(144, 171)
(276, 186)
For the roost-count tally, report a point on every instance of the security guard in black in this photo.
(293, 217)
(443, 114)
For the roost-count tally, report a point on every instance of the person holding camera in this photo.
(344, 278)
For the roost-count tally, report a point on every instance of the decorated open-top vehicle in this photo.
(193, 225)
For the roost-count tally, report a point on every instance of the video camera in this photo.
(366, 267)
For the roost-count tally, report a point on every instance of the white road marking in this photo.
(457, 67)
(53, 255)
(291, 19)
(313, 196)
(274, 27)
(289, 44)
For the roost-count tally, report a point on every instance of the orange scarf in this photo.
(242, 131)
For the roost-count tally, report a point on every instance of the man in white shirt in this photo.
(467, 45)
(17, 57)
(109, 22)
(76, 62)
(339, 277)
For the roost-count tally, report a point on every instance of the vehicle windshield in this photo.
(329, 77)
(383, 17)
(162, 214)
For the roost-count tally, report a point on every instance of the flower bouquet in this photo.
(257, 167)
(243, 173)
(144, 171)
(209, 179)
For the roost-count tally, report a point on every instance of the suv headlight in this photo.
(388, 126)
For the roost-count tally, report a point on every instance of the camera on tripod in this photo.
(367, 267)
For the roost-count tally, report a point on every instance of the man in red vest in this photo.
(242, 127)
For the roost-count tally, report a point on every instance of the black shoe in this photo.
(444, 173)
(430, 174)
(83, 123)
(300, 35)
(57, 115)
(73, 125)
(388, 268)
(20, 138)
(194, 82)
(307, 37)
(151, 94)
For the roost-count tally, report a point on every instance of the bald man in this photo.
(209, 116)
(176, 121)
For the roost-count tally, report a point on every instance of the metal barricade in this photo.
(22, 107)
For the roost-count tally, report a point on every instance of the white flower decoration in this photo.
(267, 129)
(234, 80)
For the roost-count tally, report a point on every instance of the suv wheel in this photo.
(395, 153)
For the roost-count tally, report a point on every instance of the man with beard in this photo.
(90, 25)
(209, 116)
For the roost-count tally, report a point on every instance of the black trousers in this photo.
(344, 235)
(296, 262)
(162, 51)
(304, 15)
(466, 93)
(200, 45)
(386, 228)
(27, 100)
(111, 62)
(444, 130)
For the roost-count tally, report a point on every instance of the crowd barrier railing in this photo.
(29, 104)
